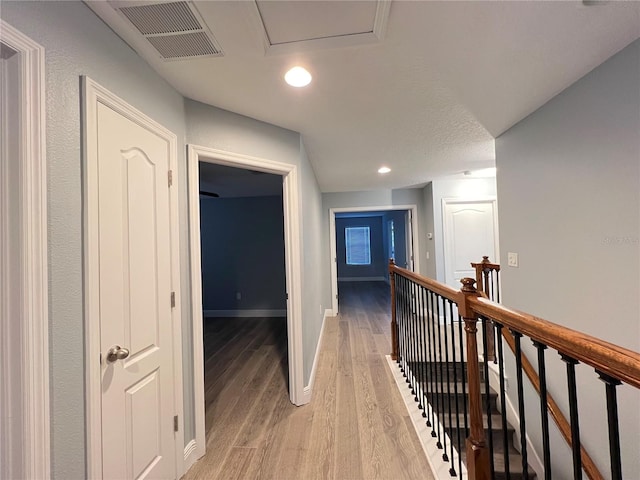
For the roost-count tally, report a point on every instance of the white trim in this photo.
(333, 248)
(34, 301)
(362, 279)
(245, 313)
(308, 390)
(190, 455)
(92, 95)
(293, 261)
(375, 36)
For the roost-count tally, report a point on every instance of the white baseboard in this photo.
(308, 390)
(245, 313)
(191, 454)
(361, 279)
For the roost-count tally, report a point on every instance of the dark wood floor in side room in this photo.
(356, 426)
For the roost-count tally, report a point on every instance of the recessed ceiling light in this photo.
(297, 77)
(384, 170)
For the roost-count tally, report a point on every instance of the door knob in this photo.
(117, 353)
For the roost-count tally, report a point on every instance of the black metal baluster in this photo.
(430, 418)
(521, 413)
(455, 390)
(401, 324)
(544, 410)
(503, 400)
(614, 427)
(573, 415)
(439, 376)
(434, 369)
(448, 370)
(423, 354)
(404, 327)
(412, 338)
(464, 377)
(487, 390)
(400, 309)
(420, 342)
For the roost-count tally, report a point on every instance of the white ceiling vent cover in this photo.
(175, 29)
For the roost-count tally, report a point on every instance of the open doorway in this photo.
(243, 288)
(292, 266)
(364, 239)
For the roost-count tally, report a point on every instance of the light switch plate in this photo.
(512, 259)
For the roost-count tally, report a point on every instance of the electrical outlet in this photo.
(512, 259)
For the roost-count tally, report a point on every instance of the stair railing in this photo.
(423, 311)
(428, 343)
(488, 282)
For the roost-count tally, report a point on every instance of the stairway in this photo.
(429, 376)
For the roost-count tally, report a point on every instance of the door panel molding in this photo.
(446, 240)
(33, 298)
(94, 95)
(293, 265)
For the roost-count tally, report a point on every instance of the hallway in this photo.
(356, 426)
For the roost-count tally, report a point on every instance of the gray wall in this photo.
(242, 249)
(429, 225)
(216, 128)
(78, 43)
(379, 260)
(569, 192)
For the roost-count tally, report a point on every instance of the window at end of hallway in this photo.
(358, 245)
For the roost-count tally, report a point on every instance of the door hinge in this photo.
(175, 423)
(286, 296)
(173, 299)
(170, 175)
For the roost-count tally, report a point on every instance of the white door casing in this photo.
(23, 244)
(298, 394)
(132, 292)
(408, 225)
(470, 230)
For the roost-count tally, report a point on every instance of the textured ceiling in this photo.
(427, 100)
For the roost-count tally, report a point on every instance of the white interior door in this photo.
(134, 271)
(470, 231)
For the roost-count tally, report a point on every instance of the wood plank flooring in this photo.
(356, 426)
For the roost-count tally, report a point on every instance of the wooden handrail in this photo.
(482, 274)
(483, 270)
(561, 421)
(394, 322)
(613, 360)
(436, 287)
(609, 359)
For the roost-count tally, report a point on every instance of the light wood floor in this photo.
(356, 426)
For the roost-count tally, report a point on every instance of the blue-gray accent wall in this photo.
(242, 245)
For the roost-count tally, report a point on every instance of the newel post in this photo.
(477, 453)
(394, 324)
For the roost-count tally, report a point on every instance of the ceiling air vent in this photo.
(175, 29)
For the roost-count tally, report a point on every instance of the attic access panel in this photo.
(300, 26)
